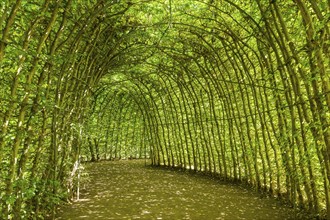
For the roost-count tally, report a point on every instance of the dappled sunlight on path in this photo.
(131, 190)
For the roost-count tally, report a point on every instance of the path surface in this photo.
(131, 190)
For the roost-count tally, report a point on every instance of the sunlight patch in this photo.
(145, 212)
(82, 200)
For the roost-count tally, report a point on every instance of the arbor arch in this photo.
(239, 90)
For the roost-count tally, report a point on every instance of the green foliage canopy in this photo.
(238, 89)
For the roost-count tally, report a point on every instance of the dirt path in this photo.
(130, 190)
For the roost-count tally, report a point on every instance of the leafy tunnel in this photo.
(239, 89)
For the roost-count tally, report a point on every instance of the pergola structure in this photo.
(239, 89)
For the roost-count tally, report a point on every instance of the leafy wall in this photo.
(238, 89)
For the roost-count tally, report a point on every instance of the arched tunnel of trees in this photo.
(238, 89)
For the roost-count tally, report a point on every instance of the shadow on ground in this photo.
(131, 190)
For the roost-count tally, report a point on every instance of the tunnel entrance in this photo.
(231, 88)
